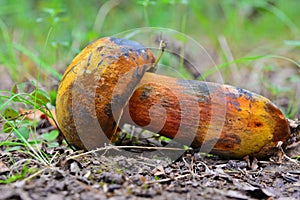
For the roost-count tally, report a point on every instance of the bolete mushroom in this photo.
(110, 82)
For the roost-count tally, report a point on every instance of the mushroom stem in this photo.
(227, 120)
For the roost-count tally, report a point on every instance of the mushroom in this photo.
(111, 82)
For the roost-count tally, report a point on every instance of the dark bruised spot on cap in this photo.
(127, 43)
(235, 104)
(231, 95)
(247, 94)
(146, 92)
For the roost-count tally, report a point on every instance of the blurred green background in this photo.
(40, 38)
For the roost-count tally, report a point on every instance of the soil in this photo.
(110, 174)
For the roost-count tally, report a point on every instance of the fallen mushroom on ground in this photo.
(111, 82)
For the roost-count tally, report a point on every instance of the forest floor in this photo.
(111, 174)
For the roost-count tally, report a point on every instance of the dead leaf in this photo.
(32, 114)
(158, 171)
(51, 121)
(236, 194)
(254, 164)
(247, 159)
(268, 191)
(3, 168)
(38, 115)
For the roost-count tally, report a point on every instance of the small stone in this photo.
(74, 168)
(55, 197)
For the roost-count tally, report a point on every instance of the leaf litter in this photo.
(106, 174)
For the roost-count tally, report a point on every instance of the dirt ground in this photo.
(111, 174)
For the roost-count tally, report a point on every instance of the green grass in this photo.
(19, 175)
(23, 130)
(40, 38)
